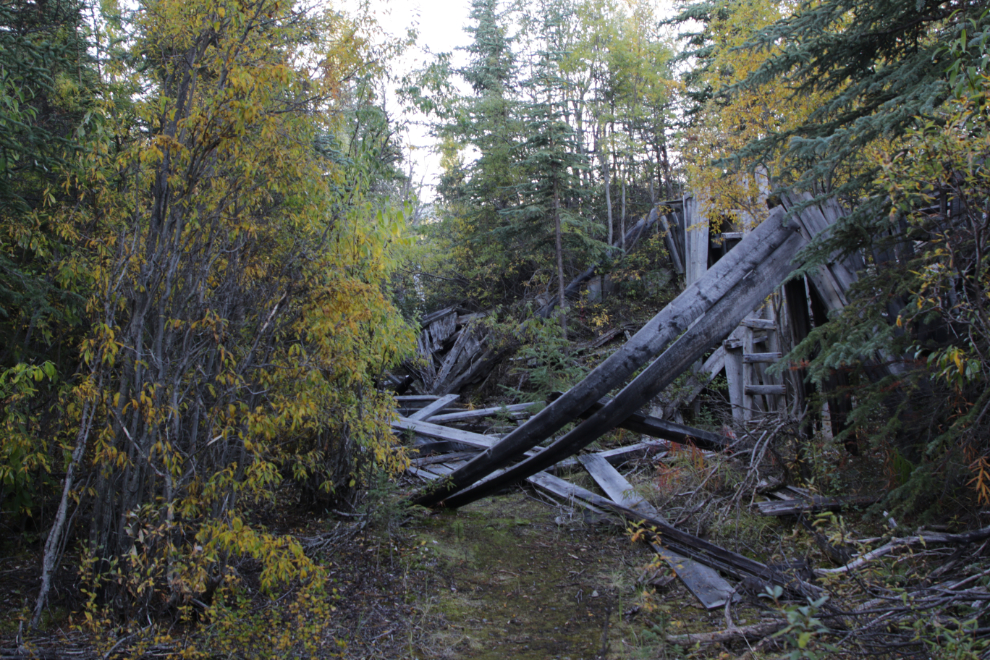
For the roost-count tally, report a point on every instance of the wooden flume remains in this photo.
(728, 305)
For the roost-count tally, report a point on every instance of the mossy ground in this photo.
(512, 577)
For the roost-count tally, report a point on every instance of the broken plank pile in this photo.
(453, 350)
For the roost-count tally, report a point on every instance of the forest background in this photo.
(210, 256)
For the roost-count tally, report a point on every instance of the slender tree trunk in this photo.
(608, 198)
(622, 219)
(559, 239)
(54, 545)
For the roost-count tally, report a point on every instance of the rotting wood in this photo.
(755, 631)
(433, 407)
(721, 318)
(466, 415)
(903, 542)
(797, 506)
(659, 428)
(753, 358)
(654, 449)
(704, 582)
(754, 268)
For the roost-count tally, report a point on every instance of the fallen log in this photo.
(795, 507)
(755, 282)
(904, 542)
(741, 275)
(749, 633)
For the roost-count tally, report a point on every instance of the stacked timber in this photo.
(453, 350)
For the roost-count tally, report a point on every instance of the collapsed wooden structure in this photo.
(732, 318)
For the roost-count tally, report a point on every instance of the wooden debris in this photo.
(921, 539)
(659, 428)
(755, 631)
(727, 292)
(702, 581)
(433, 407)
(480, 413)
(814, 504)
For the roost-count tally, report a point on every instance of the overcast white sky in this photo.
(440, 25)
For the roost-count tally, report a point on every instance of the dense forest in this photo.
(217, 274)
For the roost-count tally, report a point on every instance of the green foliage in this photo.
(546, 365)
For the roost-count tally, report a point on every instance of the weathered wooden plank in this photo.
(753, 358)
(766, 390)
(702, 581)
(465, 415)
(759, 324)
(428, 410)
(696, 234)
(732, 235)
(660, 428)
(753, 269)
(814, 505)
(621, 455)
(722, 317)
(672, 247)
(444, 433)
(443, 458)
(440, 330)
(410, 400)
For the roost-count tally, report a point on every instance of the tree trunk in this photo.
(559, 239)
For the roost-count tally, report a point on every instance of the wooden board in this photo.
(710, 588)
(465, 415)
(433, 407)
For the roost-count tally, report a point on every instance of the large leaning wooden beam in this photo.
(721, 318)
(701, 310)
(659, 428)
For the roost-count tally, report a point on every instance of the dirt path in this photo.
(515, 578)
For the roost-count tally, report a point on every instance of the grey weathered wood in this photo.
(696, 246)
(732, 235)
(797, 506)
(441, 330)
(746, 274)
(661, 428)
(621, 455)
(753, 358)
(702, 581)
(734, 375)
(754, 285)
(443, 458)
(687, 544)
(410, 400)
(671, 240)
(430, 409)
(761, 324)
(465, 415)
(444, 433)
(766, 390)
